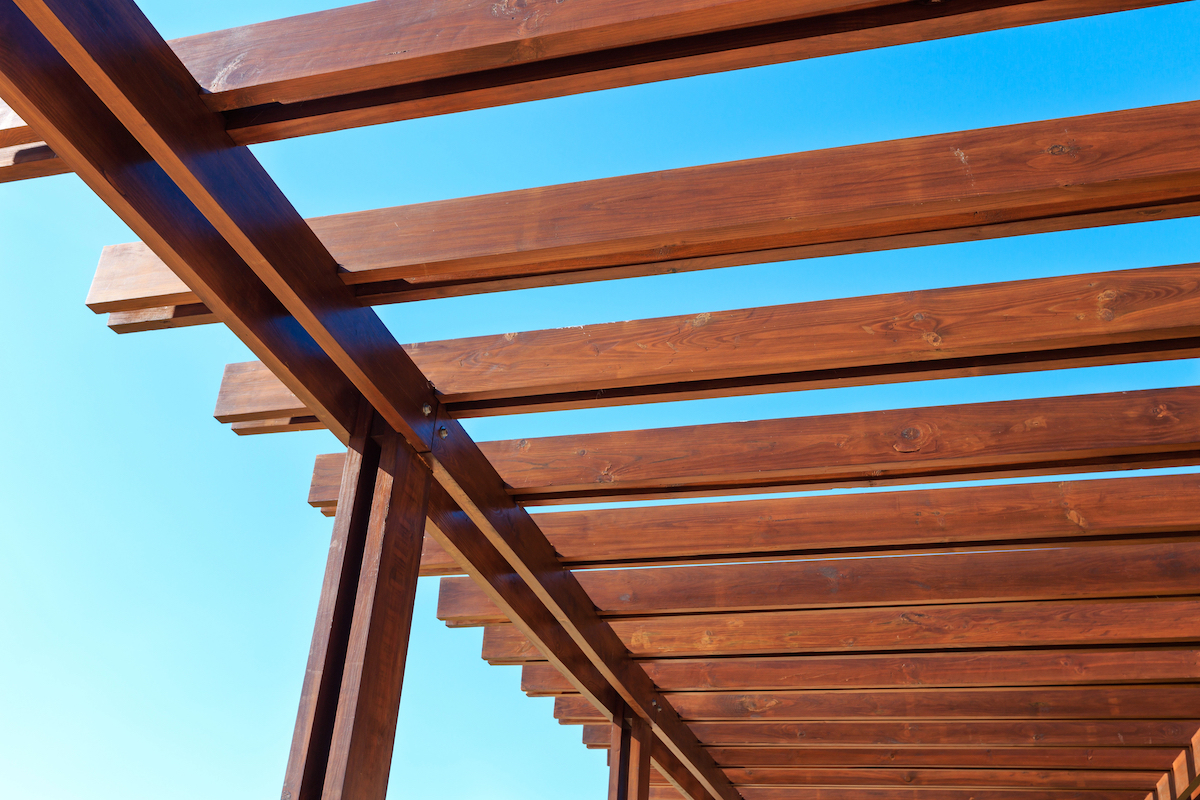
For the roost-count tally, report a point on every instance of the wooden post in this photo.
(346, 724)
(629, 758)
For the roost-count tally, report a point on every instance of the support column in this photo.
(629, 758)
(346, 724)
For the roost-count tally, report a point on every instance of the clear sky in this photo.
(159, 576)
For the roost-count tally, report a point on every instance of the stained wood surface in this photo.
(756, 529)
(20, 162)
(1021, 437)
(854, 793)
(1030, 573)
(379, 62)
(1170, 701)
(947, 778)
(909, 670)
(1004, 327)
(1054, 175)
(1095, 623)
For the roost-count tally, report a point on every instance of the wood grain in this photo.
(1054, 175)
(909, 670)
(854, 793)
(946, 778)
(1095, 623)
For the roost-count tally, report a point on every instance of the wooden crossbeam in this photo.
(79, 75)
(1050, 323)
(1094, 623)
(944, 778)
(378, 62)
(1169, 701)
(918, 793)
(1118, 167)
(1131, 569)
(989, 668)
(760, 529)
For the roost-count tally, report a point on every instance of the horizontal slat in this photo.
(1108, 759)
(853, 793)
(20, 162)
(381, 62)
(972, 733)
(1096, 623)
(1080, 320)
(1122, 166)
(1139, 569)
(913, 670)
(1021, 437)
(162, 318)
(944, 778)
(1177, 701)
(768, 528)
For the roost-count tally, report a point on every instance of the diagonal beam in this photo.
(149, 94)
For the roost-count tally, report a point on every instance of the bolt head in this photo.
(427, 409)
(443, 433)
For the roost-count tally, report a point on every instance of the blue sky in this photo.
(159, 576)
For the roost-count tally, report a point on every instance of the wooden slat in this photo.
(1096, 623)
(109, 45)
(1110, 168)
(853, 793)
(1156, 701)
(944, 778)
(20, 162)
(1159, 427)
(1141, 569)
(890, 735)
(1050, 323)
(911, 670)
(161, 318)
(760, 529)
(379, 62)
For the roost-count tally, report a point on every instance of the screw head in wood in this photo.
(427, 409)
(443, 433)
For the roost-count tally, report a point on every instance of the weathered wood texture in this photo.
(757, 529)
(910, 670)
(1122, 166)
(381, 62)
(1135, 569)
(1095, 623)
(1153, 701)
(1051, 323)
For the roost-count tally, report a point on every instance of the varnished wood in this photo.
(379, 62)
(854, 793)
(1133, 569)
(20, 162)
(1117, 167)
(910, 670)
(1095, 623)
(1049, 323)
(1169, 701)
(945, 778)
(629, 773)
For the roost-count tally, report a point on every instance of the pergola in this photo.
(997, 642)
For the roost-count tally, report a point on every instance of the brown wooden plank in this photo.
(1080, 320)
(161, 318)
(944, 778)
(1170, 701)
(629, 760)
(258, 426)
(1123, 430)
(1096, 623)
(20, 162)
(248, 384)
(979, 668)
(378, 62)
(852, 793)
(1116, 167)
(109, 45)
(1130, 569)
(768, 528)
(360, 752)
(974, 733)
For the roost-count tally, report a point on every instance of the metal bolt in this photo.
(443, 433)
(427, 409)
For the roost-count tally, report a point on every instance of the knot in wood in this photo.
(912, 438)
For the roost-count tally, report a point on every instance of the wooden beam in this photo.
(1158, 427)
(854, 793)
(109, 45)
(1094, 623)
(942, 778)
(760, 529)
(20, 162)
(1155, 701)
(1050, 323)
(629, 760)
(891, 735)
(378, 62)
(910, 670)
(1118, 167)
(1131, 569)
